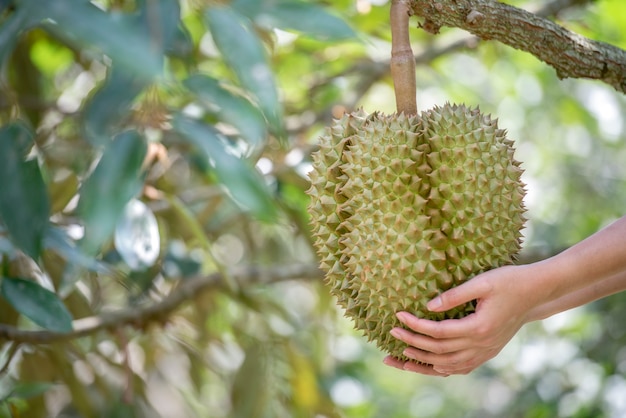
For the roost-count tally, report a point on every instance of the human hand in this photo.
(458, 346)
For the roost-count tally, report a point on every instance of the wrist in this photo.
(539, 284)
(552, 283)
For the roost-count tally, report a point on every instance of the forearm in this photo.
(595, 291)
(589, 270)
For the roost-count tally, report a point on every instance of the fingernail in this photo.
(390, 362)
(408, 354)
(401, 316)
(434, 304)
(395, 332)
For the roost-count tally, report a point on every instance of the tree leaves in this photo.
(250, 394)
(4, 4)
(242, 182)
(14, 401)
(121, 39)
(245, 54)
(115, 180)
(40, 305)
(57, 240)
(161, 18)
(27, 390)
(307, 18)
(230, 107)
(110, 104)
(10, 30)
(24, 204)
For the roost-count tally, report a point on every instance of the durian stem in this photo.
(402, 59)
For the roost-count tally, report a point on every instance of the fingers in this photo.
(460, 362)
(394, 362)
(448, 360)
(451, 328)
(445, 364)
(422, 369)
(468, 365)
(473, 289)
(411, 366)
(427, 343)
(466, 370)
(448, 355)
(427, 369)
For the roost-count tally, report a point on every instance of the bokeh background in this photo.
(203, 115)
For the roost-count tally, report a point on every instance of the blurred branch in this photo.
(556, 6)
(140, 316)
(571, 54)
(370, 72)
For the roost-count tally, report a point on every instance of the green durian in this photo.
(405, 207)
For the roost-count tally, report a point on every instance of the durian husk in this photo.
(404, 208)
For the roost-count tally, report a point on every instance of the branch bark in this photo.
(402, 60)
(570, 54)
(158, 312)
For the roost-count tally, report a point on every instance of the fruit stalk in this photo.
(402, 59)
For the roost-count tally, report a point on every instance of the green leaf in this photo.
(242, 50)
(115, 180)
(231, 108)
(110, 105)
(127, 43)
(10, 30)
(187, 221)
(62, 190)
(6, 246)
(181, 45)
(24, 203)
(249, 8)
(27, 390)
(40, 305)
(250, 394)
(4, 4)
(184, 265)
(58, 241)
(310, 19)
(243, 182)
(161, 18)
(307, 18)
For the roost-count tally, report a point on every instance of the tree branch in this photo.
(402, 59)
(159, 311)
(570, 54)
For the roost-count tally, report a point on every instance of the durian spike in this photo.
(402, 59)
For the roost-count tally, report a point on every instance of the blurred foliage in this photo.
(147, 142)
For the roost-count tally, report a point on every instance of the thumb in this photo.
(476, 288)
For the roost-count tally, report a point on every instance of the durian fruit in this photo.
(405, 207)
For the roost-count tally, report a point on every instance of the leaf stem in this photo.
(402, 59)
